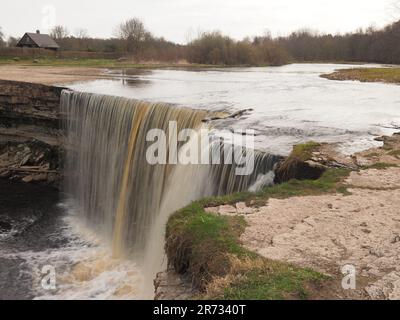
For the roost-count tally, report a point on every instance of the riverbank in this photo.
(52, 71)
(67, 72)
(386, 75)
(30, 134)
(88, 63)
(291, 240)
(31, 113)
(48, 75)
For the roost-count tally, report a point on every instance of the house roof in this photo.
(43, 40)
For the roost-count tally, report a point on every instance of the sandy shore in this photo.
(50, 75)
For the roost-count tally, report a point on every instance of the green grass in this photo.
(372, 154)
(207, 246)
(395, 153)
(304, 151)
(203, 226)
(380, 166)
(94, 63)
(203, 244)
(276, 281)
(389, 75)
(328, 182)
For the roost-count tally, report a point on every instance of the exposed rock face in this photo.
(29, 132)
(299, 170)
(239, 208)
(322, 157)
(171, 286)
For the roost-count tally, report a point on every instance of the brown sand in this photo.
(50, 75)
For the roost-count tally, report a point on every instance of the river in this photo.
(289, 105)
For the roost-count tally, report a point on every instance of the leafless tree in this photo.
(59, 32)
(12, 42)
(81, 33)
(134, 33)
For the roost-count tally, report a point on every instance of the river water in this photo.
(290, 104)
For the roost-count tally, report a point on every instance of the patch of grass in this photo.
(207, 246)
(275, 281)
(388, 75)
(394, 153)
(380, 166)
(330, 181)
(200, 243)
(372, 154)
(304, 151)
(295, 166)
(227, 199)
(95, 63)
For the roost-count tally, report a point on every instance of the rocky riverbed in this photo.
(30, 134)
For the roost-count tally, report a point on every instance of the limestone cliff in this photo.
(30, 133)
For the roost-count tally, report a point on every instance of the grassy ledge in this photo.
(207, 247)
(386, 75)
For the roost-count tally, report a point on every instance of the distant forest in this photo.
(134, 40)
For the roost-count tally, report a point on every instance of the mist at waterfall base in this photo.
(118, 204)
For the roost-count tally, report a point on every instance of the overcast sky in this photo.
(178, 20)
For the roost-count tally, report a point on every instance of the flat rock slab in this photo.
(376, 179)
(329, 231)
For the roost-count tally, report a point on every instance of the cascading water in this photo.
(117, 192)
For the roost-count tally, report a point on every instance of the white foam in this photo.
(84, 267)
(263, 180)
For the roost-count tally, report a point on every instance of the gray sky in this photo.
(179, 20)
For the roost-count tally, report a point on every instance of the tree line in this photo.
(133, 39)
(217, 49)
(370, 45)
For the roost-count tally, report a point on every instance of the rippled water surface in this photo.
(37, 232)
(291, 104)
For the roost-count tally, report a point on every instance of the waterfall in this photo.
(117, 192)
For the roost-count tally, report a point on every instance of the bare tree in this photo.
(134, 33)
(81, 33)
(12, 42)
(59, 32)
